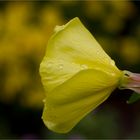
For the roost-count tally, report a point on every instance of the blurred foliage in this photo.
(25, 28)
(133, 98)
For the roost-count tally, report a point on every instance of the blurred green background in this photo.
(25, 28)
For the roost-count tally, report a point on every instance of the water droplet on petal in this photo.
(49, 64)
(97, 52)
(44, 100)
(83, 67)
(60, 66)
(59, 28)
(112, 62)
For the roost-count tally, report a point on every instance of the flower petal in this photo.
(67, 104)
(71, 49)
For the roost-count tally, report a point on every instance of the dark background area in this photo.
(25, 28)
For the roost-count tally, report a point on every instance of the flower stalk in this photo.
(131, 81)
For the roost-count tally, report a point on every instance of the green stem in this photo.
(131, 81)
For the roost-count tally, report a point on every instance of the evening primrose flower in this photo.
(77, 76)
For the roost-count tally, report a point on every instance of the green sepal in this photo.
(133, 98)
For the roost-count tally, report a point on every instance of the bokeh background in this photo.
(25, 28)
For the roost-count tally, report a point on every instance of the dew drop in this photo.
(83, 67)
(97, 52)
(60, 66)
(49, 64)
(44, 100)
(59, 28)
(112, 62)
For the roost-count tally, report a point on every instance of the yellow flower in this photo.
(77, 76)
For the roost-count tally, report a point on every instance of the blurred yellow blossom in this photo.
(22, 45)
(130, 50)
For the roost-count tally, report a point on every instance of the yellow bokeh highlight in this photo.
(24, 33)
